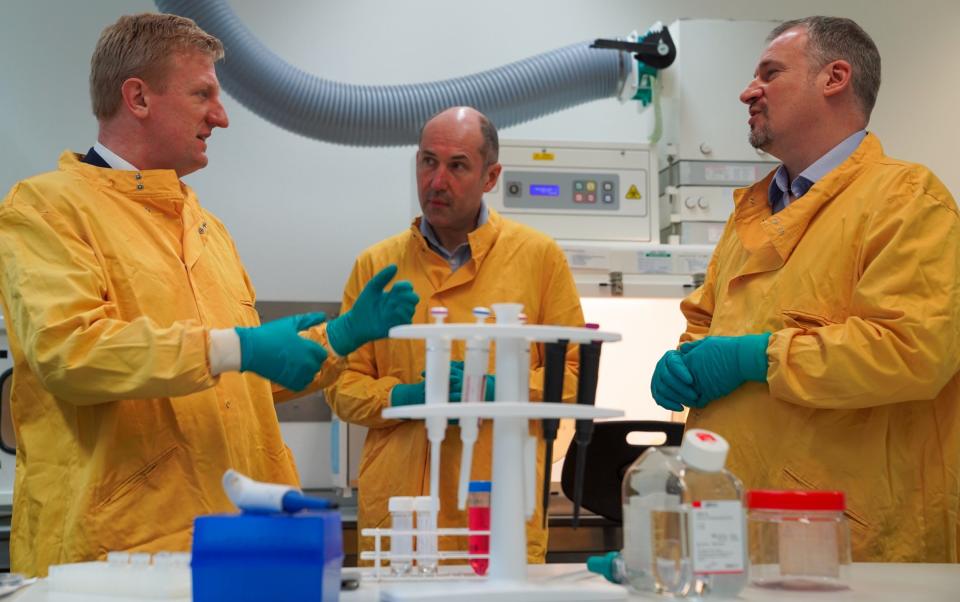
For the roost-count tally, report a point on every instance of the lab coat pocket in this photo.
(249, 316)
(127, 515)
(134, 481)
(804, 320)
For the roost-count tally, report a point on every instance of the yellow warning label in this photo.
(633, 193)
(543, 156)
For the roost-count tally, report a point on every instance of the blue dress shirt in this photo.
(781, 191)
(459, 256)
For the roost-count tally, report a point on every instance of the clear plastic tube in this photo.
(401, 519)
(426, 509)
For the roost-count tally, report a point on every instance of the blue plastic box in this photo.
(277, 557)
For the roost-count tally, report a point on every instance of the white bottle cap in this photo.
(424, 503)
(704, 450)
(400, 504)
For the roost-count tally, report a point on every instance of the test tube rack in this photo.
(380, 573)
(507, 577)
(161, 576)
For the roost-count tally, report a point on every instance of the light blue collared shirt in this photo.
(459, 256)
(781, 190)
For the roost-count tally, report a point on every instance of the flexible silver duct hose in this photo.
(392, 115)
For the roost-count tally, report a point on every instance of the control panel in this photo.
(579, 190)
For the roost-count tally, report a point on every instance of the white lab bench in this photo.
(873, 582)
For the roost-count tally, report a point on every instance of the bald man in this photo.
(459, 254)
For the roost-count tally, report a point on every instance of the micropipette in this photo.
(554, 364)
(474, 378)
(438, 391)
(586, 395)
(523, 386)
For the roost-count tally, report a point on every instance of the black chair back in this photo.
(609, 455)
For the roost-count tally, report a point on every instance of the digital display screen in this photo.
(544, 190)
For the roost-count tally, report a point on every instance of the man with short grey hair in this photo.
(824, 341)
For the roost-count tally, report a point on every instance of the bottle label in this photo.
(717, 537)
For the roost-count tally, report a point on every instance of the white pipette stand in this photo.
(507, 577)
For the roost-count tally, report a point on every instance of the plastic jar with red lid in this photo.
(798, 540)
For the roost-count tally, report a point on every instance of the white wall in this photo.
(301, 210)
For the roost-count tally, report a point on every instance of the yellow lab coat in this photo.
(859, 282)
(510, 263)
(110, 281)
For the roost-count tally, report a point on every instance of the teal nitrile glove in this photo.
(672, 384)
(408, 395)
(489, 385)
(719, 365)
(276, 350)
(490, 388)
(416, 393)
(375, 312)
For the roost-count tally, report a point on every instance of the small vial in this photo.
(140, 560)
(478, 519)
(118, 558)
(426, 510)
(401, 517)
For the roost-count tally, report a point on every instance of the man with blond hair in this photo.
(141, 370)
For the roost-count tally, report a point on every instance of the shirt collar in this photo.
(427, 230)
(779, 186)
(114, 160)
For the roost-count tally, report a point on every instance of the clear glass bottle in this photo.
(683, 521)
(478, 519)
